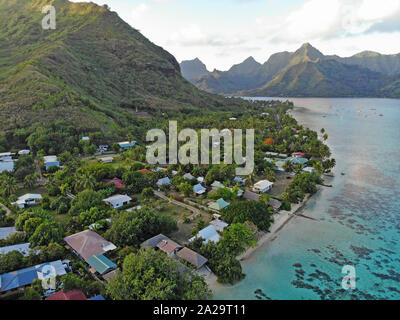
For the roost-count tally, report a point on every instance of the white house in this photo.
(24, 152)
(263, 186)
(118, 201)
(28, 199)
(107, 159)
(188, 176)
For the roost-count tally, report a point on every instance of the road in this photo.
(195, 211)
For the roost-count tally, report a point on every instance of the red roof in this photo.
(118, 183)
(298, 154)
(269, 141)
(70, 295)
(145, 171)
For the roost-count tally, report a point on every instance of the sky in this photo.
(222, 33)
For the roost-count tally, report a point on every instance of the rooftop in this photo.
(70, 295)
(192, 257)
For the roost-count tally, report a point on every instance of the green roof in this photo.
(101, 263)
(219, 204)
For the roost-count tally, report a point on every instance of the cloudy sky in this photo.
(225, 32)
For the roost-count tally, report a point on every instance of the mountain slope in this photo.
(93, 71)
(193, 69)
(324, 78)
(307, 72)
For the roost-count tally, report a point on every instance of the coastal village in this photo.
(72, 223)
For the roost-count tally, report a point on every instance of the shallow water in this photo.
(358, 223)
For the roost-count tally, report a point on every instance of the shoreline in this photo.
(281, 220)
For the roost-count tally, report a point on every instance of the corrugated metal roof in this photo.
(101, 263)
(6, 232)
(23, 248)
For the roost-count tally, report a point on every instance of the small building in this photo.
(208, 234)
(73, 295)
(271, 154)
(298, 154)
(126, 144)
(217, 185)
(248, 195)
(219, 225)
(309, 169)
(174, 172)
(188, 176)
(88, 243)
(23, 248)
(192, 257)
(7, 232)
(7, 165)
(118, 200)
(169, 247)
(274, 203)
(98, 297)
(299, 160)
(51, 161)
(200, 179)
(6, 156)
(118, 183)
(239, 181)
(107, 159)
(101, 264)
(26, 276)
(233, 119)
(28, 199)
(219, 205)
(164, 182)
(85, 139)
(199, 189)
(263, 186)
(24, 152)
(152, 242)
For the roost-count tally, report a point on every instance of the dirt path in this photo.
(195, 211)
(41, 180)
(8, 211)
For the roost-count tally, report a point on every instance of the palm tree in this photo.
(8, 185)
(85, 181)
(29, 181)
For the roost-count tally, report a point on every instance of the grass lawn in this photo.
(36, 190)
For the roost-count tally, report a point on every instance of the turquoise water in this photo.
(358, 219)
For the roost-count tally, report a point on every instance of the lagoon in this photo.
(358, 219)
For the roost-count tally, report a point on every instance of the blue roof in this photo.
(163, 181)
(98, 297)
(51, 164)
(299, 161)
(23, 277)
(209, 233)
(198, 188)
(239, 180)
(127, 144)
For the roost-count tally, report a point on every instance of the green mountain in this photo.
(193, 69)
(307, 72)
(94, 70)
(324, 78)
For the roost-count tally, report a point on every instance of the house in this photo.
(107, 159)
(164, 182)
(28, 199)
(6, 156)
(118, 183)
(219, 225)
(208, 234)
(282, 156)
(188, 176)
(298, 154)
(239, 181)
(251, 196)
(169, 247)
(309, 169)
(200, 179)
(51, 161)
(263, 186)
(271, 154)
(85, 139)
(145, 171)
(7, 165)
(118, 200)
(23, 248)
(24, 152)
(101, 264)
(73, 295)
(126, 144)
(279, 165)
(217, 185)
(7, 232)
(192, 257)
(299, 160)
(220, 204)
(233, 119)
(88, 243)
(199, 189)
(174, 172)
(26, 276)
(152, 242)
(274, 203)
